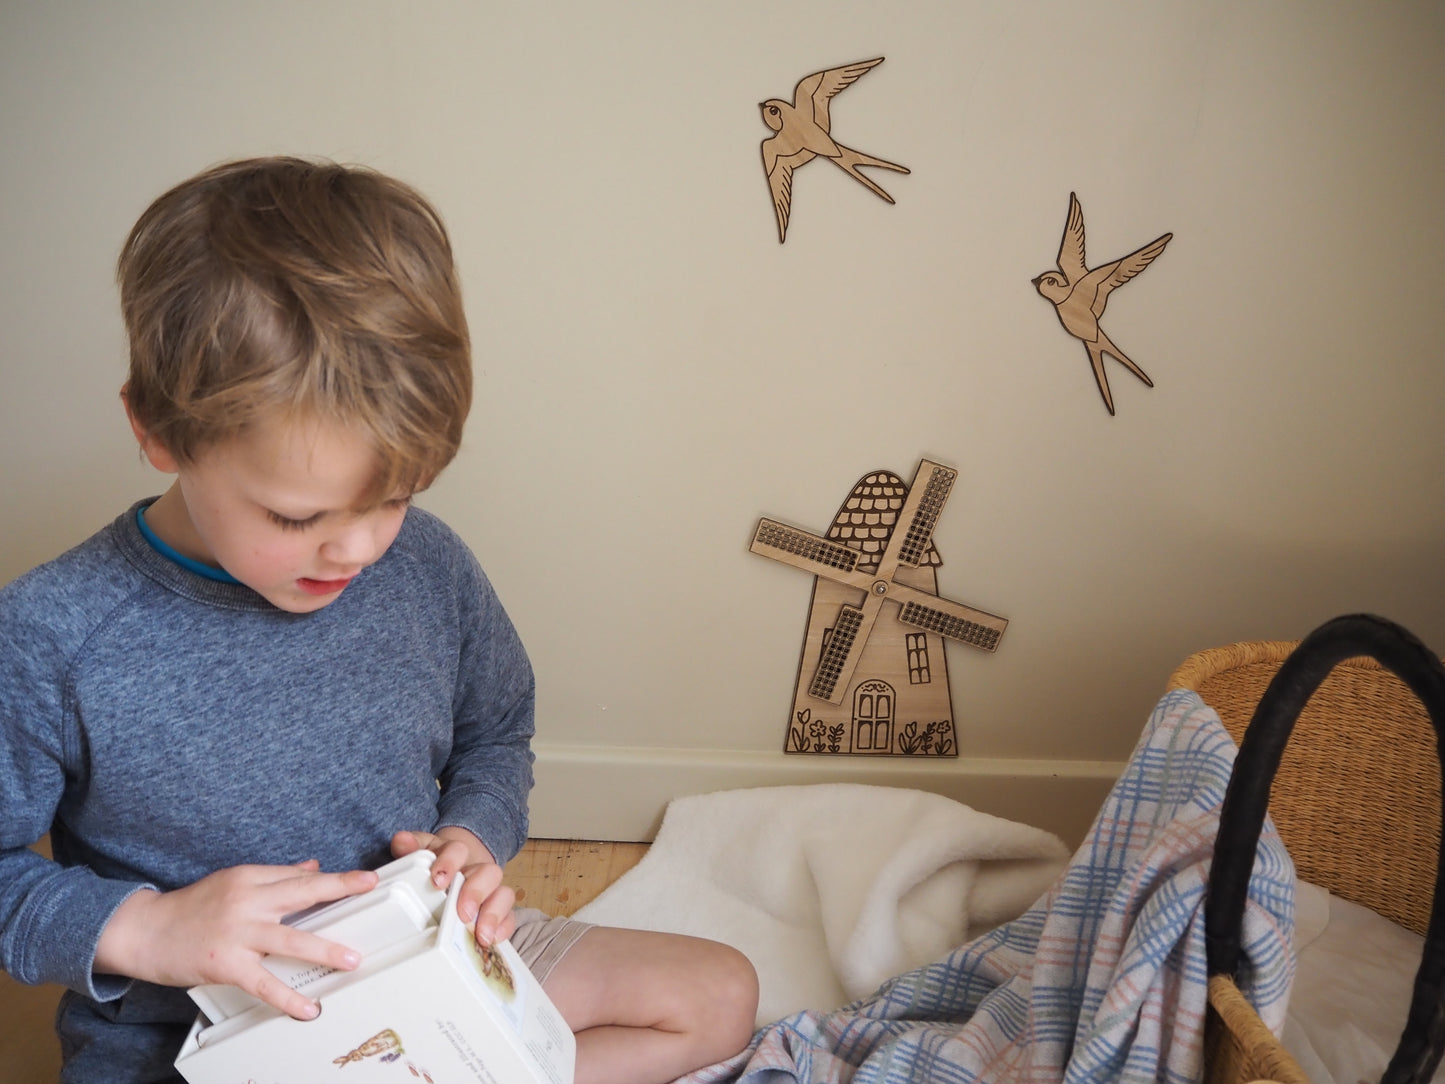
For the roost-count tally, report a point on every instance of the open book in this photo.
(427, 1003)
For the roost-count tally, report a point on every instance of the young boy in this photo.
(240, 697)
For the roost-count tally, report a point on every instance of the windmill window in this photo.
(917, 643)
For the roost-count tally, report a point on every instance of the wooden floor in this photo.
(555, 875)
(560, 875)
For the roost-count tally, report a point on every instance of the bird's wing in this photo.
(770, 154)
(1125, 268)
(820, 87)
(1071, 248)
(780, 180)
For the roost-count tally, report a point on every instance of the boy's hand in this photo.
(218, 930)
(485, 903)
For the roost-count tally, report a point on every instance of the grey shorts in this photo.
(542, 939)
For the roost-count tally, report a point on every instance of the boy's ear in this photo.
(156, 452)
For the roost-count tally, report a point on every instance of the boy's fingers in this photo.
(300, 945)
(506, 922)
(299, 893)
(482, 882)
(451, 856)
(508, 926)
(494, 920)
(404, 843)
(268, 988)
(269, 875)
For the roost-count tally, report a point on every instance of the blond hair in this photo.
(300, 289)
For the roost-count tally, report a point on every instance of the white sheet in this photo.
(1351, 988)
(831, 888)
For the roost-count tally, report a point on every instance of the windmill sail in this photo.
(899, 538)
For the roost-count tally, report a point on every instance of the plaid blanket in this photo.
(1103, 979)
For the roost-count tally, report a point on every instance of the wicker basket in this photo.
(1356, 800)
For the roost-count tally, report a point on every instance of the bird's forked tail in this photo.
(849, 160)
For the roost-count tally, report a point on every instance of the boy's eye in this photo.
(286, 523)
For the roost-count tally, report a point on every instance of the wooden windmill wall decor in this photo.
(803, 131)
(1079, 294)
(873, 679)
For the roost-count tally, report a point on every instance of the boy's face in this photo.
(274, 508)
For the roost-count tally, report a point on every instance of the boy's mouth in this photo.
(322, 587)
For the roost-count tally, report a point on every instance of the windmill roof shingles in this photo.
(866, 519)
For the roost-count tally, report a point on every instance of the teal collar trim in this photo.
(217, 574)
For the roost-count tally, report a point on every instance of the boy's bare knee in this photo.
(735, 1003)
(654, 1006)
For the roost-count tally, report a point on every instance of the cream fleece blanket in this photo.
(831, 889)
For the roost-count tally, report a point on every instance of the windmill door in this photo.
(873, 708)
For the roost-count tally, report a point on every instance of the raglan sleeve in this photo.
(51, 916)
(488, 775)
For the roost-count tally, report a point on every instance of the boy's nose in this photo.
(353, 546)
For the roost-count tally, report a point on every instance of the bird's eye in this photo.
(773, 110)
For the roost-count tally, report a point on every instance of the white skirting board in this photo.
(619, 793)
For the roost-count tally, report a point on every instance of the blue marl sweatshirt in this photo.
(162, 726)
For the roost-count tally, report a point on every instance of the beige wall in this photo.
(656, 371)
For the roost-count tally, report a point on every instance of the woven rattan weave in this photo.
(1357, 795)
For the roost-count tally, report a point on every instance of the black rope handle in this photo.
(1245, 801)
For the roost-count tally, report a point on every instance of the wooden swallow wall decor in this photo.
(874, 679)
(802, 131)
(1079, 294)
